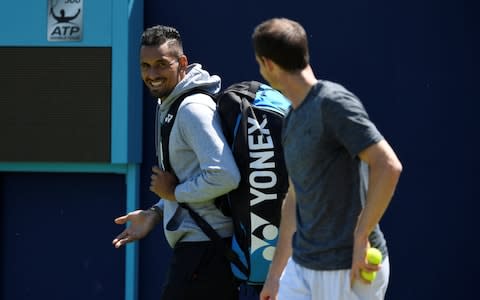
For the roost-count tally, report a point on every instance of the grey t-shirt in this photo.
(322, 139)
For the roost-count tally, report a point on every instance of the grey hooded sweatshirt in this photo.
(199, 156)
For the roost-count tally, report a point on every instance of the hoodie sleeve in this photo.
(201, 130)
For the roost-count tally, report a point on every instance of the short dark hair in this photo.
(283, 41)
(159, 34)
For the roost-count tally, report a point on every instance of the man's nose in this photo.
(151, 72)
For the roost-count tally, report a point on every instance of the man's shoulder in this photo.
(334, 95)
(196, 106)
(333, 90)
(198, 98)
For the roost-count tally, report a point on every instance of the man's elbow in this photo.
(235, 179)
(230, 179)
(395, 167)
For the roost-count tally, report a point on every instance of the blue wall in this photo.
(411, 62)
(56, 231)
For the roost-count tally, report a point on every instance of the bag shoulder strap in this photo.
(214, 236)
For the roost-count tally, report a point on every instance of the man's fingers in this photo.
(121, 220)
(120, 243)
(124, 238)
(117, 241)
(371, 268)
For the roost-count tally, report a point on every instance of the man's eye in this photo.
(162, 65)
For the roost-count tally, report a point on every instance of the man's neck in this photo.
(297, 86)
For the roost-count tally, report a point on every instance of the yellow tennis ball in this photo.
(369, 276)
(374, 257)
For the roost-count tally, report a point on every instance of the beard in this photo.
(166, 83)
(160, 93)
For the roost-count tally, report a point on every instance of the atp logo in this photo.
(65, 20)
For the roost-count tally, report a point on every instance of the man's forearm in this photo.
(287, 228)
(384, 173)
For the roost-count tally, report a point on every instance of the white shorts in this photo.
(299, 283)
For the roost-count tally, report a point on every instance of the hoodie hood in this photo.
(195, 78)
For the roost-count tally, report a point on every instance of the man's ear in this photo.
(183, 62)
(268, 64)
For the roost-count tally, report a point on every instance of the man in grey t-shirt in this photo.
(343, 174)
